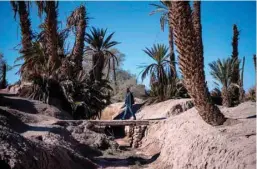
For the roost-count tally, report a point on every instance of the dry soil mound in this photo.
(185, 141)
(35, 140)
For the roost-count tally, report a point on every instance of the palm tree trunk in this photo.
(51, 35)
(114, 72)
(198, 28)
(25, 26)
(26, 33)
(254, 61)
(98, 66)
(77, 52)
(3, 82)
(191, 62)
(225, 97)
(171, 43)
(241, 89)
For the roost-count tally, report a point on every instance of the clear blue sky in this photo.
(135, 29)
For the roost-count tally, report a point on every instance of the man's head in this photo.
(128, 90)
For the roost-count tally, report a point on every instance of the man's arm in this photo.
(129, 99)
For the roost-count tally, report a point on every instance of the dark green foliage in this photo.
(222, 72)
(99, 47)
(159, 54)
(86, 98)
(162, 86)
(216, 96)
(66, 86)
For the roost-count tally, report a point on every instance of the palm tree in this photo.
(254, 61)
(241, 83)
(99, 47)
(78, 21)
(22, 8)
(159, 53)
(198, 26)
(3, 70)
(51, 34)
(222, 71)
(191, 62)
(236, 73)
(165, 8)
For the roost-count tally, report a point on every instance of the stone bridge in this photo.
(135, 130)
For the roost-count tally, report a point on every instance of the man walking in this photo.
(129, 101)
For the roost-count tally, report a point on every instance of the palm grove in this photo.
(56, 72)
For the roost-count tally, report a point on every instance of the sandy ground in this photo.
(181, 141)
(186, 141)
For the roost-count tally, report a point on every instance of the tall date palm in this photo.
(191, 60)
(236, 72)
(51, 34)
(78, 21)
(22, 8)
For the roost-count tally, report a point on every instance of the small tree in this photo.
(159, 54)
(222, 71)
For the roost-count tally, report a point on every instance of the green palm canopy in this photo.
(159, 53)
(99, 47)
(222, 71)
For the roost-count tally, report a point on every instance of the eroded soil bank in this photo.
(31, 137)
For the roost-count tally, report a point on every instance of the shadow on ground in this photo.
(18, 104)
(84, 149)
(135, 109)
(130, 161)
(251, 117)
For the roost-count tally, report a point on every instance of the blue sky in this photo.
(135, 29)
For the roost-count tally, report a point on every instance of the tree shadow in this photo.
(251, 117)
(4, 165)
(8, 94)
(83, 149)
(132, 160)
(10, 120)
(18, 104)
